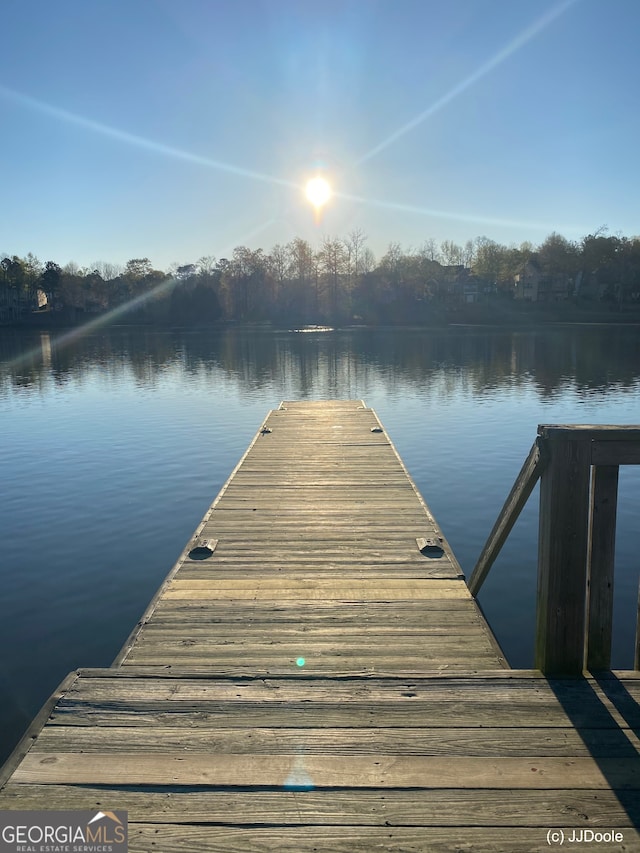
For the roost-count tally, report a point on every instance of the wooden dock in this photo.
(314, 675)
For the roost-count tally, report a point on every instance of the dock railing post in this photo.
(602, 542)
(636, 655)
(576, 541)
(562, 552)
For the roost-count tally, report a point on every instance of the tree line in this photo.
(339, 282)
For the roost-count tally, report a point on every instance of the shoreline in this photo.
(276, 329)
(481, 316)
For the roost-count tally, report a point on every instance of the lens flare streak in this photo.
(140, 141)
(518, 42)
(97, 322)
(458, 217)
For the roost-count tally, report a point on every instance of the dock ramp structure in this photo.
(314, 675)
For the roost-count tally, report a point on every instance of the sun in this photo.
(318, 192)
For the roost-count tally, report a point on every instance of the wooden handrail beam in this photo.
(518, 496)
(590, 432)
(615, 452)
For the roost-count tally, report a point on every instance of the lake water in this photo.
(114, 444)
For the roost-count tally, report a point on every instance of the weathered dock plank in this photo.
(448, 760)
(423, 808)
(321, 510)
(298, 770)
(319, 683)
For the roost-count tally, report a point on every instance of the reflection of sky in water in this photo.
(113, 448)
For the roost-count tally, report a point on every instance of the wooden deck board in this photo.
(318, 683)
(444, 807)
(439, 761)
(515, 742)
(320, 510)
(350, 840)
(299, 770)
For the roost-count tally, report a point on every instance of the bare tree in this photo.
(451, 253)
(106, 270)
(279, 262)
(333, 258)
(206, 265)
(429, 250)
(367, 261)
(354, 245)
(468, 254)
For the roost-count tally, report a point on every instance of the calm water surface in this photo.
(114, 445)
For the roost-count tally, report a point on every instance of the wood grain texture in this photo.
(321, 511)
(445, 807)
(354, 840)
(505, 741)
(317, 683)
(562, 557)
(350, 840)
(297, 770)
(602, 544)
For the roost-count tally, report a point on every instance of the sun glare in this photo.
(318, 192)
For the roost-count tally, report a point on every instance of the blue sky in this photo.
(174, 130)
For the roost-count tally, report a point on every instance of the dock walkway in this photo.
(315, 675)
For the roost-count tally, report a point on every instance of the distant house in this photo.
(555, 288)
(456, 279)
(471, 291)
(526, 285)
(13, 304)
(532, 284)
(477, 289)
(462, 286)
(609, 284)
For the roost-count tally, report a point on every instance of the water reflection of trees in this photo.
(342, 363)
